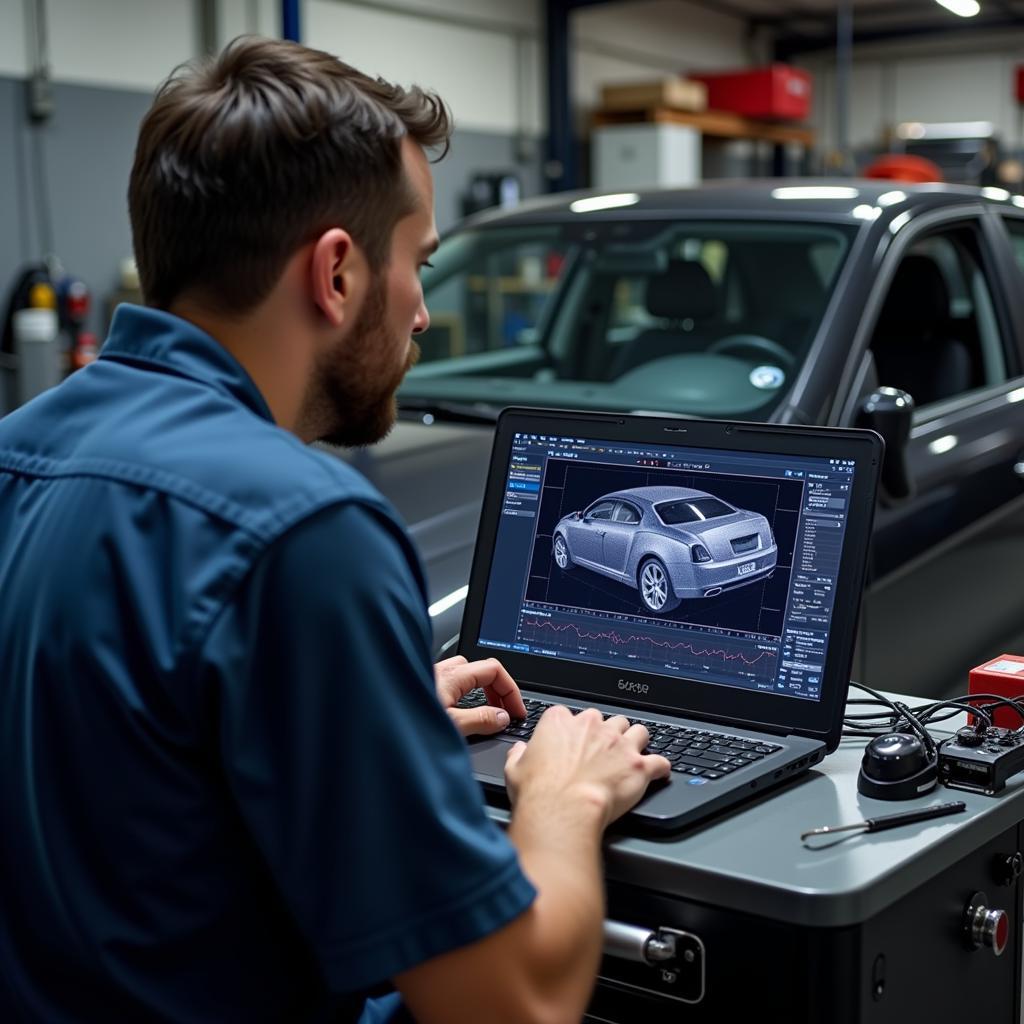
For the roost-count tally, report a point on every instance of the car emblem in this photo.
(767, 378)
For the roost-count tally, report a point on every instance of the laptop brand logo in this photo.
(628, 684)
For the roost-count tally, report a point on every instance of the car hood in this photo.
(434, 475)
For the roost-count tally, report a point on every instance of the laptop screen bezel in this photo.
(781, 713)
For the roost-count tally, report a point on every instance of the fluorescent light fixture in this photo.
(609, 202)
(945, 130)
(965, 8)
(1016, 395)
(1018, 200)
(995, 193)
(815, 192)
(448, 601)
(943, 444)
(866, 212)
(891, 198)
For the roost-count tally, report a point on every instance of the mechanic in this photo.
(231, 791)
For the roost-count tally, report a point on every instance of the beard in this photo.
(351, 399)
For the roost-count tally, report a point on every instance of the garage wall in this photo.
(924, 81)
(63, 184)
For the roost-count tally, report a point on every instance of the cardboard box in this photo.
(673, 93)
(1003, 676)
(777, 92)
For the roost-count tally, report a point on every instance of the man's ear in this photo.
(339, 276)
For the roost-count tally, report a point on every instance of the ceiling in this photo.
(803, 25)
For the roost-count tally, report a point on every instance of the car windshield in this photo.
(696, 510)
(704, 318)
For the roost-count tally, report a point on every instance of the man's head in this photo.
(277, 181)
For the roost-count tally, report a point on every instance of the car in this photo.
(669, 543)
(841, 303)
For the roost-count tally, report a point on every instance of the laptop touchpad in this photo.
(489, 757)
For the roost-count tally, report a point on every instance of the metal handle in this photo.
(641, 945)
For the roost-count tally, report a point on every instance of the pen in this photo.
(891, 820)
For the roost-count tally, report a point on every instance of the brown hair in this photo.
(245, 157)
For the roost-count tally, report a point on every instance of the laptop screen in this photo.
(714, 566)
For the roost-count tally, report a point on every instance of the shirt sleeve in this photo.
(347, 772)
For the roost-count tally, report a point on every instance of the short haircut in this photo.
(245, 157)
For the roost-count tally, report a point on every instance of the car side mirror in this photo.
(889, 412)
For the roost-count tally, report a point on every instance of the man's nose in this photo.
(422, 321)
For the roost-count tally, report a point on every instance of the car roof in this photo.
(653, 495)
(855, 200)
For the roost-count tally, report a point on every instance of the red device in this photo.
(1020, 83)
(1003, 676)
(776, 92)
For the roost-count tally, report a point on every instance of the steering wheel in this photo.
(765, 347)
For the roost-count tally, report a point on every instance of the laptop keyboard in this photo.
(700, 752)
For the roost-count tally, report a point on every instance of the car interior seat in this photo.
(684, 297)
(913, 345)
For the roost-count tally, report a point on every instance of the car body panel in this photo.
(944, 588)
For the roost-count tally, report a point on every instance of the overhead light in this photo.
(815, 192)
(995, 193)
(1018, 200)
(448, 601)
(891, 198)
(609, 202)
(1016, 395)
(965, 8)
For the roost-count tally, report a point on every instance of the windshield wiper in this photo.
(451, 412)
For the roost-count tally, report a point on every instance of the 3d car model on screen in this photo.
(671, 543)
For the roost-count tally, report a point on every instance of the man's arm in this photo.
(578, 774)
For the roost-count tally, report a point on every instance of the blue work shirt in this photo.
(227, 788)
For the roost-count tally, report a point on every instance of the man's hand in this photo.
(586, 759)
(455, 677)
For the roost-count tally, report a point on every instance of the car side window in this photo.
(1015, 227)
(937, 335)
(602, 510)
(625, 513)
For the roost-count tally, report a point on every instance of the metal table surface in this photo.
(751, 858)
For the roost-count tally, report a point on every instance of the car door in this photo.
(586, 541)
(619, 534)
(943, 591)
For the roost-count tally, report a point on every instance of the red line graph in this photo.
(618, 639)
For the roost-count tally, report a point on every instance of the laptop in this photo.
(702, 577)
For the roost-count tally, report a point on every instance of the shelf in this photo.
(715, 123)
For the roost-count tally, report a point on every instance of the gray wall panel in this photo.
(78, 161)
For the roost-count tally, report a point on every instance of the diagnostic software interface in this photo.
(696, 563)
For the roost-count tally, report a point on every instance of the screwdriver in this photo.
(891, 820)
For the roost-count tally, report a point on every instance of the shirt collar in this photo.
(139, 334)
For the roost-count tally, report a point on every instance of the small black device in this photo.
(898, 766)
(981, 766)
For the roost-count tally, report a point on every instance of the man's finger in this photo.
(619, 723)
(656, 766)
(449, 663)
(638, 735)
(493, 678)
(481, 721)
(515, 753)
